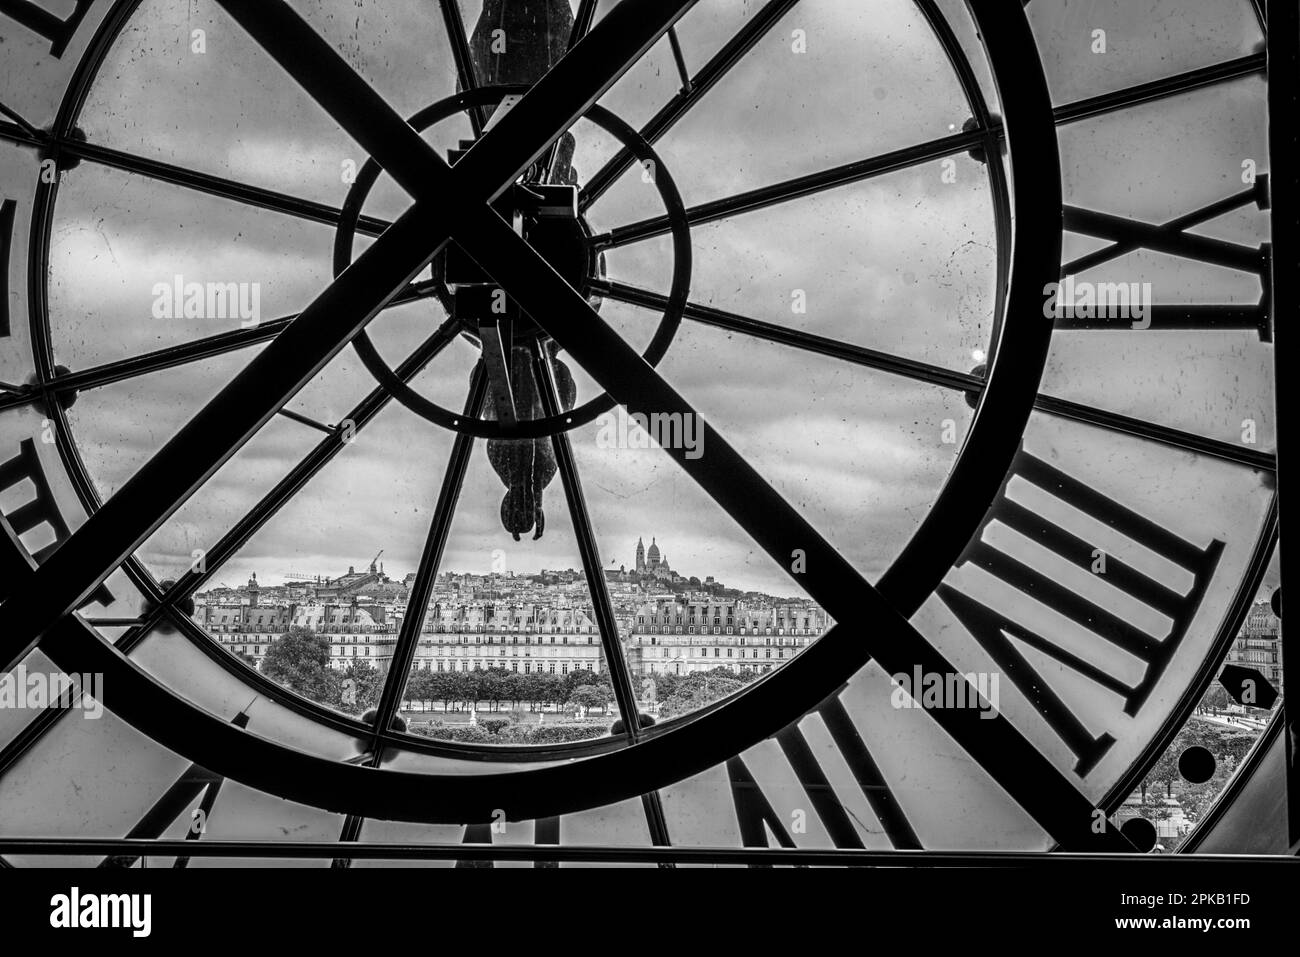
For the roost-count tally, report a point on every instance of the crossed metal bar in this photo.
(453, 204)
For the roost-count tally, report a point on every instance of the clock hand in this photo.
(269, 380)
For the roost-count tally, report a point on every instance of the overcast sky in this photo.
(903, 263)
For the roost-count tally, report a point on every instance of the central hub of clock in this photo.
(544, 207)
(545, 213)
(546, 216)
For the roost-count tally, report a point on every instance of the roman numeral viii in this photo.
(1154, 651)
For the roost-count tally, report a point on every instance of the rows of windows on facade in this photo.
(667, 623)
(1259, 644)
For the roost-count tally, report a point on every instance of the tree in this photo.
(438, 687)
(299, 660)
(576, 678)
(540, 689)
(494, 686)
(681, 694)
(587, 696)
(1215, 699)
(512, 688)
(419, 687)
(463, 687)
(1197, 798)
(1164, 771)
(1228, 745)
(695, 696)
(360, 687)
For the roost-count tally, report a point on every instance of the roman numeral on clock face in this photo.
(194, 782)
(38, 18)
(758, 820)
(40, 510)
(546, 832)
(998, 633)
(1173, 238)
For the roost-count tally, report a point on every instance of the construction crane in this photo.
(375, 559)
(300, 576)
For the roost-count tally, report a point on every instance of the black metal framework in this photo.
(1284, 77)
(597, 854)
(48, 389)
(673, 304)
(422, 588)
(1210, 665)
(531, 280)
(1252, 764)
(972, 384)
(988, 133)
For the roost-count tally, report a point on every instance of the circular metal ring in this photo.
(588, 411)
(701, 741)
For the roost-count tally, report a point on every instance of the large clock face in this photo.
(928, 342)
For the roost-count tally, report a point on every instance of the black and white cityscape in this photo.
(830, 439)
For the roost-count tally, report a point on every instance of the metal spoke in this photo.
(680, 59)
(219, 430)
(859, 170)
(984, 121)
(20, 122)
(307, 468)
(656, 823)
(427, 572)
(796, 188)
(1160, 89)
(165, 603)
(597, 587)
(230, 189)
(780, 530)
(708, 77)
(417, 604)
(926, 372)
(197, 350)
(582, 21)
(329, 323)
(1142, 429)
(460, 52)
(807, 341)
(505, 151)
(307, 421)
(1029, 777)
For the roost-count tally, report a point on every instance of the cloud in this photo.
(903, 263)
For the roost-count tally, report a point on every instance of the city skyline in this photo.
(290, 577)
